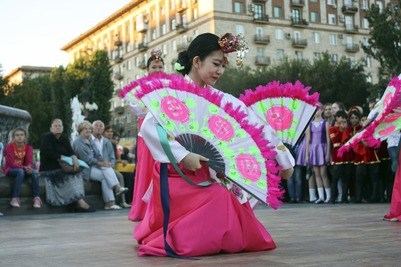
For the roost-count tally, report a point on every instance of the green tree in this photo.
(99, 84)
(384, 43)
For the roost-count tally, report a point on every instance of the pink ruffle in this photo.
(277, 90)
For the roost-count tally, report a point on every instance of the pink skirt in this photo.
(203, 220)
(143, 176)
(395, 206)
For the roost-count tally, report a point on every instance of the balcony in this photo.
(182, 47)
(260, 1)
(142, 27)
(349, 9)
(118, 43)
(119, 110)
(297, 3)
(118, 60)
(262, 39)
(142, 47)
(352, 48)
(299, 23)
(142, 64)
(118, 76)
(181, 28)
(349, 28)
(262, 61)
(299, 43)
(260, 18)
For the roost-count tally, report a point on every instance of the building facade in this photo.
(16, 76)
(275, 29)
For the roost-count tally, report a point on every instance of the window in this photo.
(333, 39)
(365, 23)
(260, 52)
(331, 2)
(298, 55)
(316, 55)
(162, 10)
(333, 57)
(238, 7)
(380, 5)
(296, 16)
(239, 29)
(364, 5)
(195, 13)
(258, 14)
(277, 12)
(164, 49)
(316, 37)
(172, 4)
(314, 16)
(280, 54)
(129, 47)
(332, 19)
(259, 31)
(279, 34)
(368, 62)
(129, 65)
(174, 45)
(173, 24)
(154, 34)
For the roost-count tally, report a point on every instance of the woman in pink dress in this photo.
(145, 161)
(395, 207)
(203, 220)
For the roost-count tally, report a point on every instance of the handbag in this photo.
(67, 168)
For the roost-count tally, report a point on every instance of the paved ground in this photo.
(305, 234)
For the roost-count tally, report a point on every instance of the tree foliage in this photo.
(384, 43)
(49, 97)
(334, 81)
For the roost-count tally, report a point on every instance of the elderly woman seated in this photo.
(100, 170)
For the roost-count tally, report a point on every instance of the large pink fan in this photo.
(287, 108)
(387, 121)
(196, 118)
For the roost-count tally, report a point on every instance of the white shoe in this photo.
(112, 207)
(121, 190)
(125, 205)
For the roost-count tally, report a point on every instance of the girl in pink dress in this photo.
(203, 220)
(145, 161)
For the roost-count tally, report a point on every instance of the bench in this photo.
(93, 194)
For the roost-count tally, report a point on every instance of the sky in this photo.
(32, 32)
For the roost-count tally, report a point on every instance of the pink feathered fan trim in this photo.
(276, 90)
(274, 192)
(367, 135)
(134, 84)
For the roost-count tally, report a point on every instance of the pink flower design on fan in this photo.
(221, 127)
(392, 117)
(387, 99)
(175, 109)
(279, 117)
(387, 131)
(249, 167)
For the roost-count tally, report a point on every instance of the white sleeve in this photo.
(149, 133)
(138, 110)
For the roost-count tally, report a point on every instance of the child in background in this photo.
(19, 164)
(318, 155)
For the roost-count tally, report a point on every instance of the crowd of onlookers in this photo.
(360, 175)
(91, 156)
(321, 175)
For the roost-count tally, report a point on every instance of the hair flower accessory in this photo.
(178, 66)
(234, 43)
(156, 54)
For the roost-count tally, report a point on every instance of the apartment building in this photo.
(274, 29)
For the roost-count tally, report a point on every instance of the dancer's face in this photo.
(210, 69)
(155, 66)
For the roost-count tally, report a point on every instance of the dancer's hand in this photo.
(285, 174)
(192, 161)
